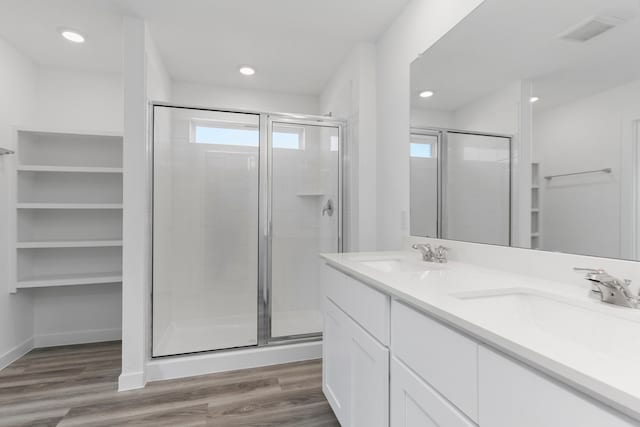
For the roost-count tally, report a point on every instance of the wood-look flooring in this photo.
(76, 386)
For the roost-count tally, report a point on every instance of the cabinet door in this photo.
(355, 371)
(416, 404)
(369, 378)
(514, 395)
(335, 360)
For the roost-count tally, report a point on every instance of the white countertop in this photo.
(594, 359)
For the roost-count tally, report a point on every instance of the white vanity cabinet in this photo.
(355, 377)
(388, 363)
(514, 395)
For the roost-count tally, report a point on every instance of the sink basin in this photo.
(591, 325)
(395, 265)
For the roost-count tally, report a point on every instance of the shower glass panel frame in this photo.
(280, 120)
(442, 149)
(264, 216)
(423, 134)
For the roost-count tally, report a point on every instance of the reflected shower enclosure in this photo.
(242, 204)
(460, 185)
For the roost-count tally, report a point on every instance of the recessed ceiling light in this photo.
(245, 70)
(426, 94)
(72, 36)
(533, 99)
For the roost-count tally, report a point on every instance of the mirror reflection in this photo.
(528, 136)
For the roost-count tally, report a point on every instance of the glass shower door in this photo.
(205, 228)
(477, 188)
(305, 206)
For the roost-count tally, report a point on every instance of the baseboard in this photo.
(208, 363)
(77, 337)
(131, 381)
(15, 353)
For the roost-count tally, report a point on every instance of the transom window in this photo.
(244, 135)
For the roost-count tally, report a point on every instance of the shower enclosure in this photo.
(242, 204)
(460, 185)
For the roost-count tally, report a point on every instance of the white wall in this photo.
(17, 85)
(351, 95)
(77, 314)
(498, 112)
(144, 79)
(429, 117)
(586, 134)
(79, 100)
(419, 26)
(255, 100)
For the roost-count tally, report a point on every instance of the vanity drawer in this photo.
(444, 358)
(368, 307)
(512, 394)
(415, 403)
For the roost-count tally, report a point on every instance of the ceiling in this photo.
(295, 45)
(504, 41)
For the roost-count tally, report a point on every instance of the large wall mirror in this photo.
(525, 124)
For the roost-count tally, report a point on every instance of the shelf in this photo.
(69, 244)
(69, 205)
(71, 132)
(535, 234)
(69, 280)
(310, 194)
(79, 169)
(536, 210)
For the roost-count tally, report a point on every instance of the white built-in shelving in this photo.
(68, 217)
(69, 280)
(69, 244)
(85, 206)
(80, 169)
(535, 207)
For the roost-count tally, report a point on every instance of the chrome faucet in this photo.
(438, 254)
(425, 249)
(610, 289)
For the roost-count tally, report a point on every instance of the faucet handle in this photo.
(441, 254)
(588, 270)
(421, 245)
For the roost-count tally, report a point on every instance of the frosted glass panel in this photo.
(305, 183)
(477, 188)
(205, 228)
(423, 166)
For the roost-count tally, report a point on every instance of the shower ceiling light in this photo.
(533, 99)
(72, 36)
(245, 70)
(426, 94)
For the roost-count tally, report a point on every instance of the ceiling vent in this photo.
(591, 28)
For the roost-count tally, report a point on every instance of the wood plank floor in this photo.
(76, 386)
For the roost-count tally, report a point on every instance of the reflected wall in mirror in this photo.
(563, 91)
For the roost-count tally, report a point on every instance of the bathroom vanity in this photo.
(410, 343)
